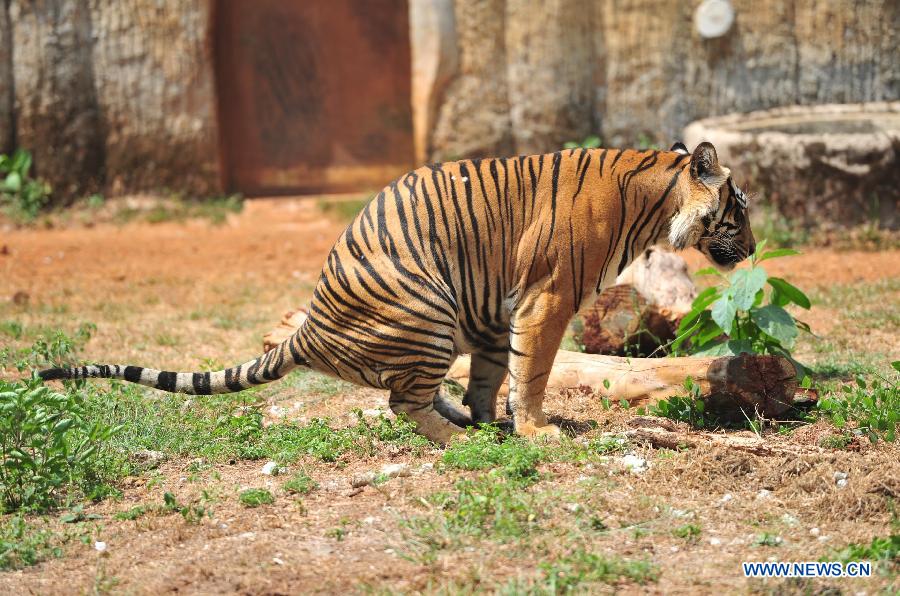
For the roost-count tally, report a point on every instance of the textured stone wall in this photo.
(56, 109)
(119, 95)
(7, 92)
(536, 74)
(112, 96)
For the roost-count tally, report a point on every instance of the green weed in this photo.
(577, 571)
(872, 407)
(300, 484)
(23, 544)
(591, 142)
(254, 497)
(49, 446)
(22, 196)
(343, 210)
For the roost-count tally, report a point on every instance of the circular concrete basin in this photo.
(826, 166)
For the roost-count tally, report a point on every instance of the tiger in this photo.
(490, 257)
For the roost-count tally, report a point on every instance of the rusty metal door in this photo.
(313, 95)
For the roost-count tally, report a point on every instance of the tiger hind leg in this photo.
(485, 378)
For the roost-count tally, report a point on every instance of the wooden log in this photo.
(732, 387)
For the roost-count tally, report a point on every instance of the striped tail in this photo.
(267, 368)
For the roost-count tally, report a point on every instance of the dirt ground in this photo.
(173, 294)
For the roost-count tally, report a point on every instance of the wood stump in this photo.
(642, 311)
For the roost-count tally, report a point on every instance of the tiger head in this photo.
(712, 216)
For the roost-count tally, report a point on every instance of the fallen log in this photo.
(731, 387)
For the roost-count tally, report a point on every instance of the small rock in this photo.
(277, 561)
(196, 463)
(726, 498)
(714, 542)
(369, 520)
(681, 513)
(426, 467)
(824, 538)
(673, 549)
(395, 470)
(372, 412)
(270, 469)
(573, 507)
(362, 479)
(277, 411)
(635, 464)
(789, 519)
(814, 531)
(100, 546)
(147, 459)
(840, 479)
(21, 298)
(764, 494)
(247, 536)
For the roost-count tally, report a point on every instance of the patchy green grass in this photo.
(578, 571)
(176, 208)
(343, 210)
(300, 484)
(883, 552)
(23, 543)
(254, 497)
(871, 407)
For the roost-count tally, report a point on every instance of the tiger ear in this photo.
(679, 147)
(705, 166)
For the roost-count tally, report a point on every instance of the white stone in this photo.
(635, 464)
(714, 542)
(100, 546)
(270, 469)
(394, 470)
(814, 531)
(277, 561)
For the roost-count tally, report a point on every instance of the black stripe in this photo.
(201, 383)
(166, 380)
(133, 374)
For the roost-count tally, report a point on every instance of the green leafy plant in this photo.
(688, 408)
(591, 142)
(740, 316)
(300, 484)
(23, 195)
(871, 407)
(48, 445)
(254, 497)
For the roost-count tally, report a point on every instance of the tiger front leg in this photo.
(536, 331)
